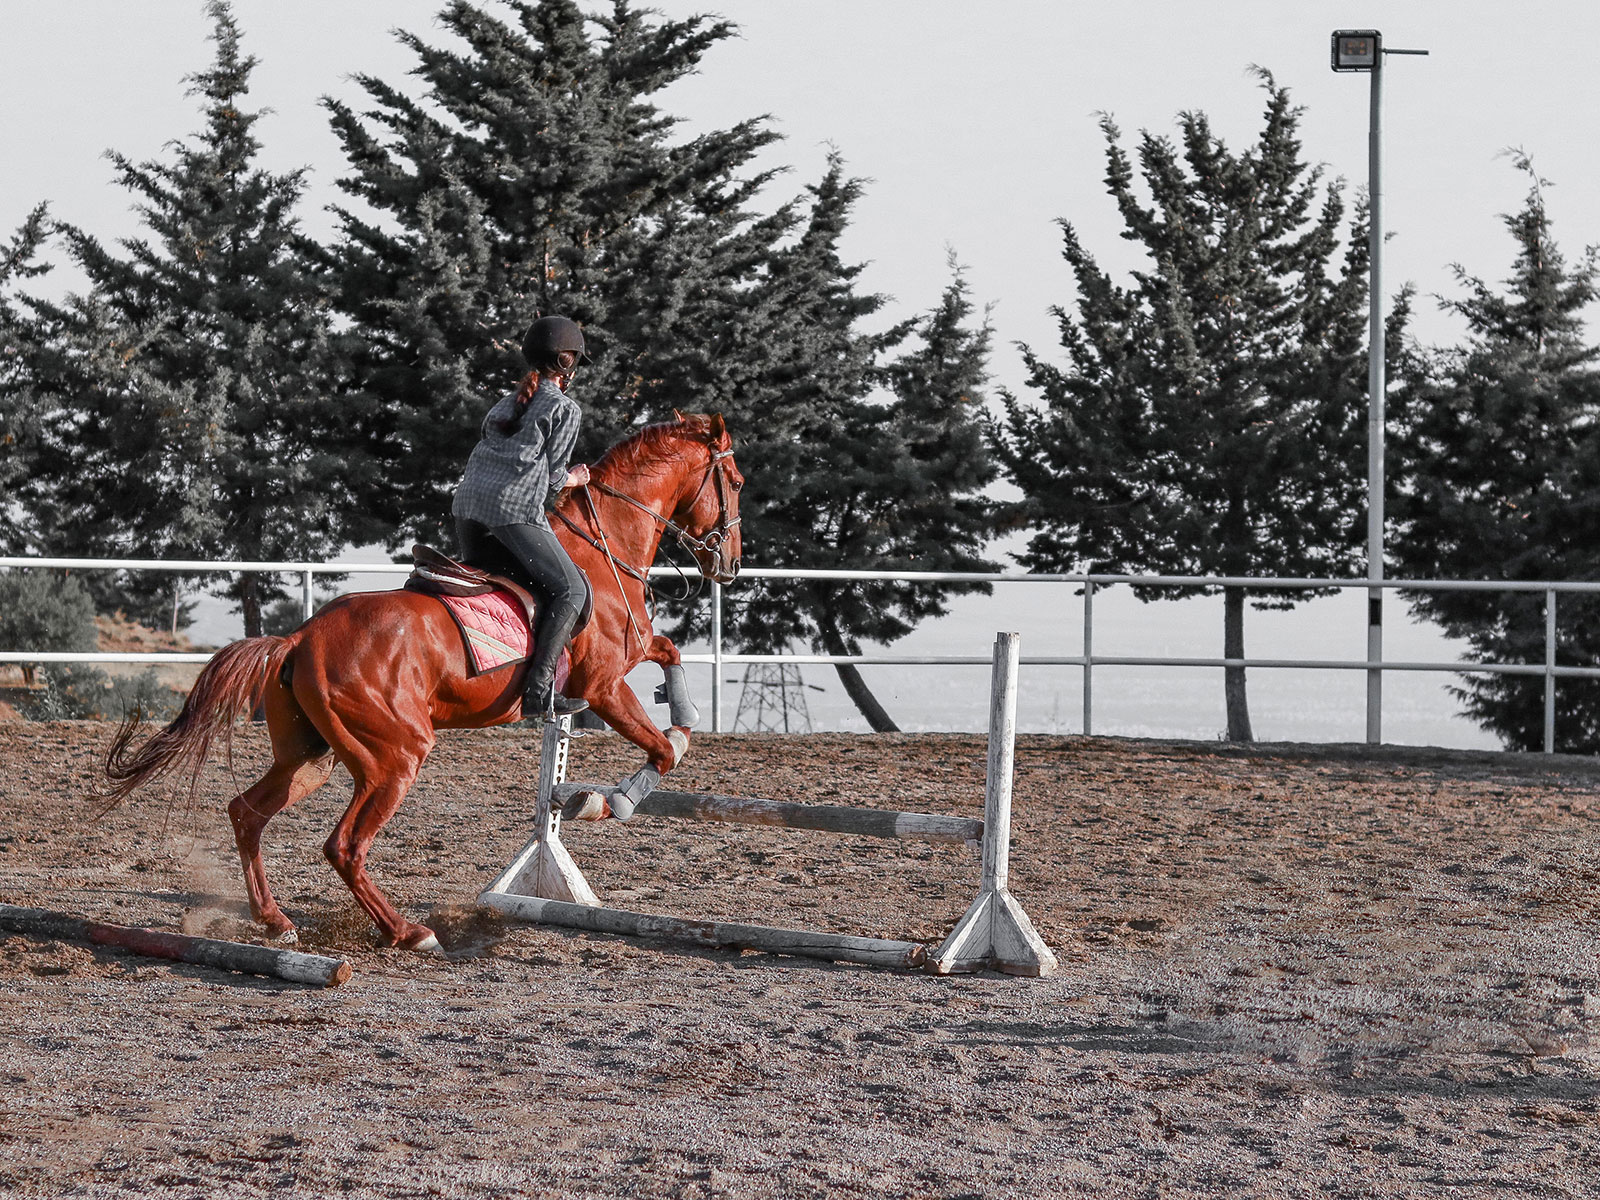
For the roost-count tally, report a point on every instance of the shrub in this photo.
(78, 692)
(144, 692)
(72, 692)
(44, 610)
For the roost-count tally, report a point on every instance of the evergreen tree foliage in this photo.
(1210, 418)
(18, 419)
(186, 394)
(899, 490)
(535, 173)
(1498, 447)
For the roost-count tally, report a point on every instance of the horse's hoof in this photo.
(287, 938)
(586, 806)
(680, 743)
(423, 941)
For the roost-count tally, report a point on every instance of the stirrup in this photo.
(556, 706)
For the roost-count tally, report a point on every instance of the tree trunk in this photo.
(1233, 677)
(854, 686)
(250, 603)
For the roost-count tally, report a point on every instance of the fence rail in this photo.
(719, 659)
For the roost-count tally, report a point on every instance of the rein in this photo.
(605, 545)
(602, 546)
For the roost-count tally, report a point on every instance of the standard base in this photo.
(995, 934)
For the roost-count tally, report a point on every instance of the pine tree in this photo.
(1210, 418)
(187, 391)
(1498, 445)
(900, 490)
(18, 412)
(535, 173)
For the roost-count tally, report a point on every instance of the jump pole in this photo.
(830, 818)
(544, 885)
(313, 969)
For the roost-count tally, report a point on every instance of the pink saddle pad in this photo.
(494, 627)
(495, 630)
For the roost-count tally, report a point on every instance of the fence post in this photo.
(305, 594)
(716, 657)
(1550, 671)
(1088, 657)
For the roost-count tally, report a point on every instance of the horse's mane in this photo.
(642, 452)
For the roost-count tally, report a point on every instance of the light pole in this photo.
(1363, 50)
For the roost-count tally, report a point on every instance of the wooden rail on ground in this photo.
(251, 959)
(724, 935)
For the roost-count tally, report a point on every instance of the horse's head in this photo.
(708, 510)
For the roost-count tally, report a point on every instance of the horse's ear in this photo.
(677, 416)
(719, 428)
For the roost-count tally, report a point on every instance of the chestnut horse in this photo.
(372, 675)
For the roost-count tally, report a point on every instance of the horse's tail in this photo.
(233, 682)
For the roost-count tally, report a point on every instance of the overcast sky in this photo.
(975, 122)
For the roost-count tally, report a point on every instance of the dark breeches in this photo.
(525, 551)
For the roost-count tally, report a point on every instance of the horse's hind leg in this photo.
(282, 785)
(379, 790)
(301, 764)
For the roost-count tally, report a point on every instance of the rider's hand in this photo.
(577, 476)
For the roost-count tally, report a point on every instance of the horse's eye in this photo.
(738, 484)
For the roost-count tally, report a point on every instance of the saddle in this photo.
(436, 574)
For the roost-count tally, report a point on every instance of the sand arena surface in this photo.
(1285, 971)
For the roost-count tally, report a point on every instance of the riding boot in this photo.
(539, 695)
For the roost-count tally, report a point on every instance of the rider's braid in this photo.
(530, 385)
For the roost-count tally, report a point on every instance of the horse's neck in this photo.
(627, 526)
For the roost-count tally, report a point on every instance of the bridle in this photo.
(711, 542)
(708, 544)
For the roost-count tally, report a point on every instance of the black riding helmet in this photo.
(548, 338)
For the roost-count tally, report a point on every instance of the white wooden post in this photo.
(995, 932)
(305, 595)
(1088, 657)
(544, 868)
(716, 657)
(1550, 671)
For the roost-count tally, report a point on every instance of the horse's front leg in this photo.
(616, 704)
(675, 690)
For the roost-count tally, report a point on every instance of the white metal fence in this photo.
(719, 659)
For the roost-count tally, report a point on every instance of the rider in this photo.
(517, 470)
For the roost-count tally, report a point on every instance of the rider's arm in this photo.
(560, 438)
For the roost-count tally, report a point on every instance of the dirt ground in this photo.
(1285, 971)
